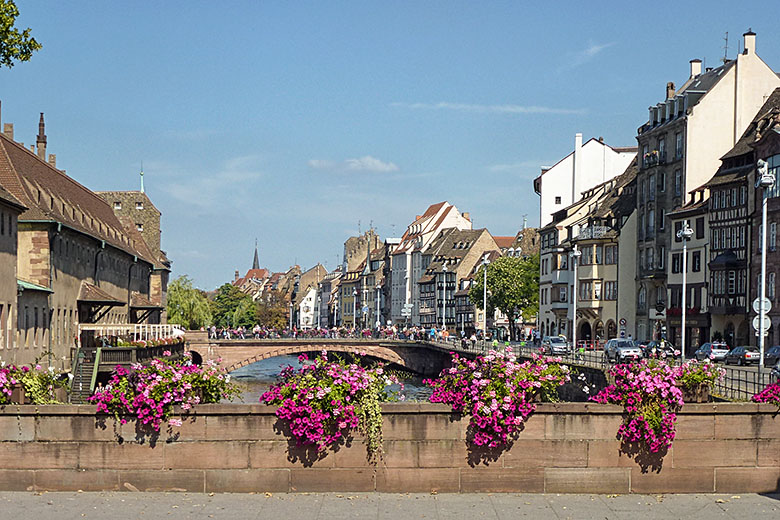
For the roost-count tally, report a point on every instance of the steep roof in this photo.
(450, 247)
(504, 242)
(50, 195)
(770, 107)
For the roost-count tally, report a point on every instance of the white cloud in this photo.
(361, 164)
(490, 109)
(585, 55)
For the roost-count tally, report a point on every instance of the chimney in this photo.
(32, 148)
(695, 67)
(669, 90)
(41, 142)
(750, 42)
(53, 160)
(577, 168)
(236, 276)
(467, 216)
(8, 130)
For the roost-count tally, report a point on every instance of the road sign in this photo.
(757, 323)
(406, 311)
(623, 322)
(757, 305)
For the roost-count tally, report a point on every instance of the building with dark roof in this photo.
(680, 146)
(76, 261)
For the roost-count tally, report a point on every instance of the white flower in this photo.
(586, 389)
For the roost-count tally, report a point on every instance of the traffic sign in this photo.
(757, 323)
(623, 322)
(757, 305)
(408, 306)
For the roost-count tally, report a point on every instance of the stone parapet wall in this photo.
(564, 448)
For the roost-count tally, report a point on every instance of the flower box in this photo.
(697, 394)
(18, 396)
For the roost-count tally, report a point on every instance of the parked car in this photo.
(621, 350)
(742, 356)
(555, 345)
(714, 351)
(659, 349)
(772, 356)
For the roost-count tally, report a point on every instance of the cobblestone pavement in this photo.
(148, 506)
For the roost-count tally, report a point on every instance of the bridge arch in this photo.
(234, 358)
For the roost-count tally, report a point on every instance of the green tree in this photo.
(272, 311)
(232, 308)
(513, 288)
(15, 45)
(186, 305)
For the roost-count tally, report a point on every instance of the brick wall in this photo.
(33, 255)
(565, 448)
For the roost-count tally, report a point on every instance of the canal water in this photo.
(258, 377)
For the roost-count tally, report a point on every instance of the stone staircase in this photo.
(82, 379)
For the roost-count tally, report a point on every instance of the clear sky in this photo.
(290, 122)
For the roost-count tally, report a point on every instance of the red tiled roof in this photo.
(50, 195)
(138, 301)
(504, 242)
(93, 294)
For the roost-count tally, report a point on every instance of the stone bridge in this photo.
(424, 358)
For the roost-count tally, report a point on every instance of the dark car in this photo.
(713, 351)
(659, 349)
(772, 356)
(742, 356)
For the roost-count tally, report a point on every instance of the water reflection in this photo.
(258, 377)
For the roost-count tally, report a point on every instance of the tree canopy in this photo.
(187, 306)
(232, 308)
(513, 287)
(15, 45)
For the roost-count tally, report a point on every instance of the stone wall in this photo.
(565, 448)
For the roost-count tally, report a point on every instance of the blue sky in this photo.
(290, 122)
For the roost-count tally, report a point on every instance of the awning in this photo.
(94, 295)
(138, 301)
(22, 285)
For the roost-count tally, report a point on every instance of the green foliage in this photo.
(187, 305)
(15, 45)
(513, 287)
(39, 384)
(272, 311)
(232, 308)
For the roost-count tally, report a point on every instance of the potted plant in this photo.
(695, 380)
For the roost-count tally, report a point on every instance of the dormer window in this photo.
(139, 204)
(139, 226)
(117, 205)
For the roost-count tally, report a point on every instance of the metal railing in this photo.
(134, 331)
(740, 384)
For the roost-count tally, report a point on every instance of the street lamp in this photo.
(765, 180)
(444, 299)
(354, 308)
(319, 309)
(485, 263)
(685, 235)
(575, 259)
(378, 297)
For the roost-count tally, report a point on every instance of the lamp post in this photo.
(685, 235)
(444, 299)
(378, 297)
(765, 180)
(575, 259)
(354, 308)
(485, 263)
(319, 309)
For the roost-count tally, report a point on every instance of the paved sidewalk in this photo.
(149, 506)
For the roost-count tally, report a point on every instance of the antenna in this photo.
(371, 224)
(142, 176)
(358, 227)
(726, 49)
(392, 226)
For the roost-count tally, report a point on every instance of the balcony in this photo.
(591, 232)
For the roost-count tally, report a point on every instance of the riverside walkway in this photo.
(322, 506)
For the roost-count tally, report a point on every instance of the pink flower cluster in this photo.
(770, 394)
(149, 393)
(497, 391)
(321, 401)
(649, 393)
(7, 381)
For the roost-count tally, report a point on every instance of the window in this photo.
(610, 255)
(773, 236)
(557, 200)
(586, 290)
(650, 222)
(597, 290)
(642, 297)
(587, 255)
(715, 241)
(662, 182)
(700, 227)
(677, 229)
(732, 282)
(117, 205)
(599, 254)
(662, 149)
(650, 259)
(733, 197)
(661, 256)
(641, 191)
(610, 290)
(651, 187)
(139, 204)
(677, 262)
(760, 235)
(770, 286)
(642, 226)
(677, 182)
(696, 267)
(678, 145)
(774, 168)
(139, 227)
(662, 219)
(562, 294)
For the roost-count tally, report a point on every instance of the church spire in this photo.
(256, 262)
(41, 140)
